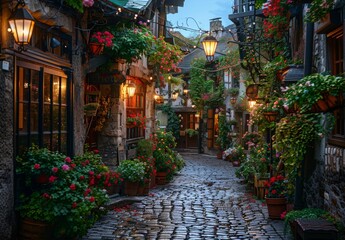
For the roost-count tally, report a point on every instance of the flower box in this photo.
(96, 48)
(275, 207)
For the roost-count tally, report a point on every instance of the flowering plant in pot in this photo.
(318, 10)
(104, 37)
(312, 88)
(136, 120)
(276, 198)
(68, 194)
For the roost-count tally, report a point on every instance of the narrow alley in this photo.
(204, 201)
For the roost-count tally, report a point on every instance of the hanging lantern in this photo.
(210, 44)
(174, 96)
(22, 25)
(251, 103)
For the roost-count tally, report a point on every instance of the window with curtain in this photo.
(42, 108)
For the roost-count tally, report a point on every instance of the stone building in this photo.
(44, 86)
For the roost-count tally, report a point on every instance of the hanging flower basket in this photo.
(328, 103)
(96, 48)
(271, 116)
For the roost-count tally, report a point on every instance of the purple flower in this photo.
(65, 167)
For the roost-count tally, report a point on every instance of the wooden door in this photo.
(189, 122)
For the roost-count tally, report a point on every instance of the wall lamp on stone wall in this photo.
(130, 89)
(21, 24)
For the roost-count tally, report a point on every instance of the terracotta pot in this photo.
(96, 48)
(275, 207)
(328, 103)
(271, 116)
(161, 178)
(131, 188)
(33, 229)
(152, 181)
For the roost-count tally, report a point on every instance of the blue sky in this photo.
(202, 11)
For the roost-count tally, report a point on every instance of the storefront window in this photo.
(41, 108)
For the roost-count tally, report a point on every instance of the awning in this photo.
(132, 5)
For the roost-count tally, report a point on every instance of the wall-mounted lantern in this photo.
(130, 89)
(22, 25)
(174, 95)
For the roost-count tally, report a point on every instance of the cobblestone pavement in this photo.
(204, 201)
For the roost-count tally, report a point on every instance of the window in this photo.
(136, 106)
(42, 108)
(335, 43)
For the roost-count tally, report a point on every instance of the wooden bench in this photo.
(308, 229)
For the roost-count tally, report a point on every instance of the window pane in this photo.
(46, 141)
(63, 118)
(46, 118)
(63, 91)
(47, 88)
(34, 85)
(56, 89)
(23, 117)
(56, 120)
(63, 143)
(55, 142)
(34, 117)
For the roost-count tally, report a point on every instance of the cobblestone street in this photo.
(204, 201)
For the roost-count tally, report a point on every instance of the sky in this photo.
(202, 11)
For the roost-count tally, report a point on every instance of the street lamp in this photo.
(22, 25)
(210, 44)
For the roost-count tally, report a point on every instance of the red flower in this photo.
(87, 191)
(74, 205)
(68, 160)
(46, 195)
(52, 179)
(72, 187)
(55, 169)
(92, 199)
(82, 177)
(274, 191)
(37, 166)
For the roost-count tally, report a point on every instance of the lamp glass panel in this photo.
(209, 47)
(22, 30)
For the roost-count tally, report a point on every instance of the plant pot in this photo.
(220, 155)
(161, 178)
(33, 229)
(275, 207)
(113, 189)
(271, 116)
(328, 103)
(96, 48)
(152, 180)
(144, 189)
(131, 188)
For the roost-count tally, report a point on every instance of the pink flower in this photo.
(68, 160)
(65, 167)
(52, 179)
(72, 187)
(37, 166)
(88, 3)
(55, 169)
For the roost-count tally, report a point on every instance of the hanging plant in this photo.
(165, 55)
(318, 10)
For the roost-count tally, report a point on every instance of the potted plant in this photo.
(251, 138)
(318, 10)
(136, 120)
(276, 198)
(133, 173)
(64, 194)
(100, 39)
(316, 93)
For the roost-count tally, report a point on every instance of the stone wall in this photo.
(334, 194)
(6, 159)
